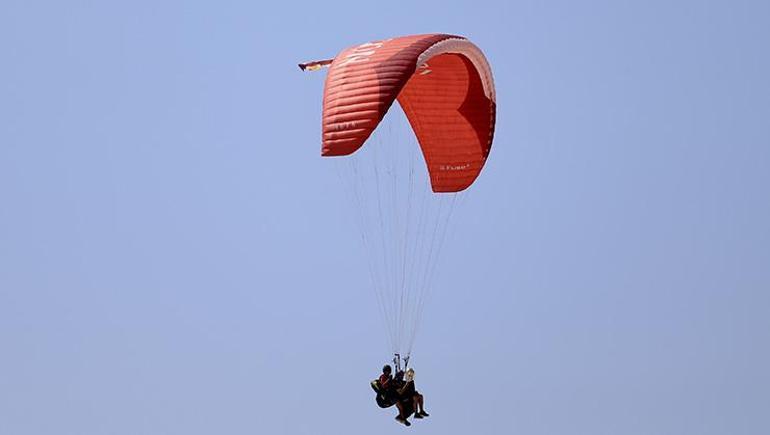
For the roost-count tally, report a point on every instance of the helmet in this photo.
(386, 369)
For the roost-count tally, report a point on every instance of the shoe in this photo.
(418, 415)
(423, 414)
(403, 421)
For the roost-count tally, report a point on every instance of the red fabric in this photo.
(444, 101)
(384, 380)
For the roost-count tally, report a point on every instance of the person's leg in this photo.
(421, 401)
(401, 415)
(416, 405)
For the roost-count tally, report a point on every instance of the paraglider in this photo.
(443, 84)
(399, 391)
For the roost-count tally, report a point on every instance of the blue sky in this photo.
(175, 256)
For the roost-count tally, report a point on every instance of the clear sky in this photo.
(175, 256)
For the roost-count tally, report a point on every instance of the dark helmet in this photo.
(387, 369)
(400, 375)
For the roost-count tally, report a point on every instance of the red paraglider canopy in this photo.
(444, 85)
